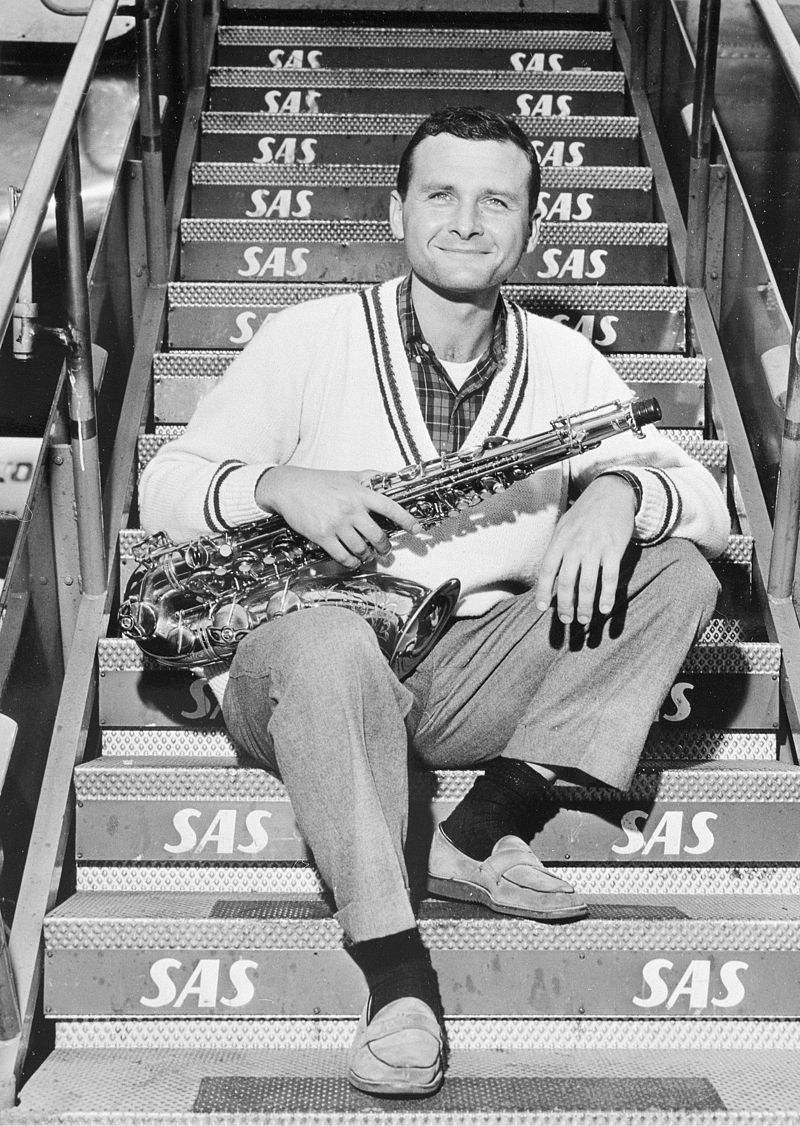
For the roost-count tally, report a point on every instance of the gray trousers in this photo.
(311, 698)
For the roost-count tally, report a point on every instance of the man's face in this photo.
(465, 219)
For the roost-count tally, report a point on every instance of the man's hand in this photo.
(333, 509)
(589, 542)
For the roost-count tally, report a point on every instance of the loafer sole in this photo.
(476, 893)
(396, 1088)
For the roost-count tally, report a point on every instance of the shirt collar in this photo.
(415, 343)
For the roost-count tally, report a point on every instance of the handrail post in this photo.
(787, 504)
(155, 212)
(638, 39)
(700, 157)
(81, 392)
(197, 43)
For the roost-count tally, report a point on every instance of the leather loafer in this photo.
(399, 1052)
(512, 881)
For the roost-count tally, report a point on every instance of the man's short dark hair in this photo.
(471, 123)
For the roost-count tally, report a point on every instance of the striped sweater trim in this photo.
(673, 508)
(502, 405)
(212, 509)
(518, 383)
(387, 376)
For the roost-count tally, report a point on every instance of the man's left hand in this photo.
(586, 549)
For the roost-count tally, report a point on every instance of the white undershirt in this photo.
(458, 372)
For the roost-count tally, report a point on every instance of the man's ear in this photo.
(533, 238)
(396, 215)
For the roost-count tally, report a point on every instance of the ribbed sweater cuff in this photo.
(231, 497)
(660, 507)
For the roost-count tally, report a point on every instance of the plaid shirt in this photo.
(449, 413)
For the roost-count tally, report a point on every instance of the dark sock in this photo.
(508, 798)
(397, 965)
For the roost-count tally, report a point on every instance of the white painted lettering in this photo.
(160, 976)
(546, 105)
(678, 696)
(244, 322)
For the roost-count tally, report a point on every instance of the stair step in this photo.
(724, 684)
(533, 1086)
(656, 1034)
(300, 878)
(663, 746)
(345, 250)
(264, 138)
(292, 48)
(502, 8)
(182, 378)
(361, 191)
(361, 90)
(616, 318)
(131, 954)
(185, 811)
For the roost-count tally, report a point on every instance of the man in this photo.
(573, 621)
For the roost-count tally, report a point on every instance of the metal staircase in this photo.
(197, 974)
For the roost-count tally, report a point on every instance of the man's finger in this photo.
(565, 589)
(372, 533)
(587, 588)
(389, 508)
(352, 541)
(339, 553)
(610, 582)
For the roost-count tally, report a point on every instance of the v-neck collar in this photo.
(396, 382)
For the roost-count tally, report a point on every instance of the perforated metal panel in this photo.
(299, 879)
(404, 124)
(385, 175)
(370, 36)
(375, 232)
(395, 81)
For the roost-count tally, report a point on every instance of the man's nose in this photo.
(467, 219)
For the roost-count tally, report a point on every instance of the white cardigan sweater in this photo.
(327, 385)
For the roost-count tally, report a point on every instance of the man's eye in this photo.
(439, 195)
(495, 201)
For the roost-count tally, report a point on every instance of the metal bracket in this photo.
(715, 246)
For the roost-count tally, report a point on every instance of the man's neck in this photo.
(457, 328)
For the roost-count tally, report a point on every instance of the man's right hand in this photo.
(333, 509)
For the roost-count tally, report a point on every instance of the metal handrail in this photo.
(784, 39)
(26, 223)
(783, 560)
(63, 9)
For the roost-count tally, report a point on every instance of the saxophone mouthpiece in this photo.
(646, 411)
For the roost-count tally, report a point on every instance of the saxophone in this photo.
(189, 605)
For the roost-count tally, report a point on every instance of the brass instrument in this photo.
(190, 604)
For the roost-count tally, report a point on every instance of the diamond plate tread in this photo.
(196, 365)
(145, 921)
(298, 878)
(254, 35)
(687, 746)
(376, 232)
(216, 173)
(538, 298)
(538, 1086)
(724, 655)
(224, 781)
(463, 1034)
(407, 78)
(394, 124)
